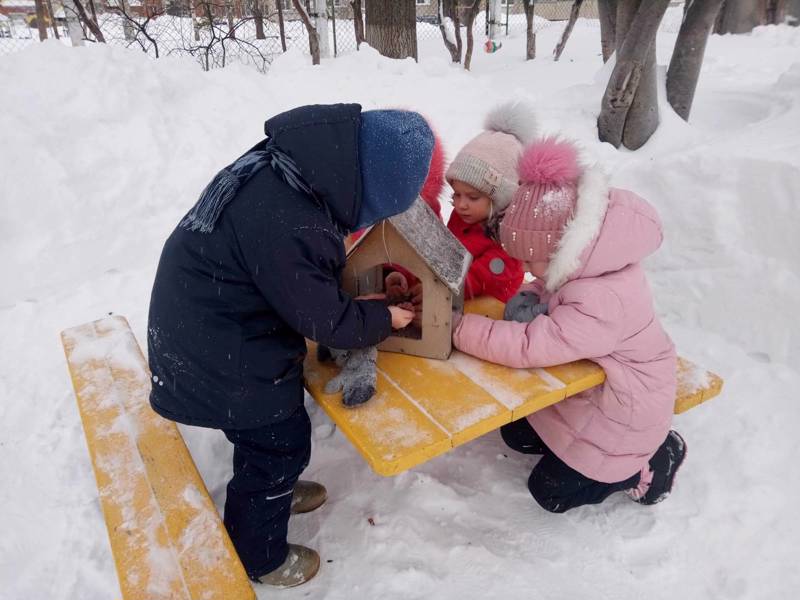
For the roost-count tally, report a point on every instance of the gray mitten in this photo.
(524, 307)
(358, 377)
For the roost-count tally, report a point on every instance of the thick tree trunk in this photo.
(741, 16)
(90, 23)
(573, 16)
(358, 22)
(391, 27)
(471, 15)
(629, 112)
(41, 25)
(313, 37)
(607, 11)
(258, 17)
(687, 57)
(448, 9)
(530, 33)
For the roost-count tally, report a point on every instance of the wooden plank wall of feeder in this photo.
(364, 266)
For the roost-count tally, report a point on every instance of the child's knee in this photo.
(520, 436)
(545, 490)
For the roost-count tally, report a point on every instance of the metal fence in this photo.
(220, 32)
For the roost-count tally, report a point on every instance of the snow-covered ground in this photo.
(103, 150)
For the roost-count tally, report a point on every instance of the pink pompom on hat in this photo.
(544, 202)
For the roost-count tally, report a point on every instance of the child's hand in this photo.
(396, 285)
(524, 307)
(400, 317)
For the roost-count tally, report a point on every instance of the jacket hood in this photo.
(323, 142)
(610, 230)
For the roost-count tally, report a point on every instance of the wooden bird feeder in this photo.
(420, 243)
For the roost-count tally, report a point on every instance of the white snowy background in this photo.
(103, 150)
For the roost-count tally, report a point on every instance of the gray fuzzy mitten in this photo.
(358, 377)
(524, 307)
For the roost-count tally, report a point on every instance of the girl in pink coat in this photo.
(584, 242)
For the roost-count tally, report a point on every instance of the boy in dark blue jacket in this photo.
(249, 273)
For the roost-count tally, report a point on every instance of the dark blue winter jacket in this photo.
(230, 309)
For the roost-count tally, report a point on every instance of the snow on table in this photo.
(424, 407)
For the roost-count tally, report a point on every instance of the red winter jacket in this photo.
(493, 272)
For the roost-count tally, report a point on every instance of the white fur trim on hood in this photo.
(516, 118)
(581, 229)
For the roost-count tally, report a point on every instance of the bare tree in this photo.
(573, 16)
(313, 36)
(89, 22)
(229, 17)
(607, 11)
(687, 57)
(530, 33)
(448, 10)
(629, 111)
(472, 12)
(358, 22)
(281, 27)
(258, 17)
(41, 24)
(53, 23)
(391, 27)
(740, 16)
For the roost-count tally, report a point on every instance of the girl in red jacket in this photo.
(483, 176)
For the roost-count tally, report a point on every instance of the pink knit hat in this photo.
(488, 162)
(544, 202)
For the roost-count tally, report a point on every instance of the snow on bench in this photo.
(424, 407)
(166, 535)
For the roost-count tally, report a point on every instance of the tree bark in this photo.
(41, 25)
(229, 17)
(573, 16)
(281, 26)
(448, 9)
(741, 16)
(629, 112)
(313, 37)
(258, 17)
(391, 27)
(471, 15)
(90, 23)
(607, 11)
(687, 57)
(358, 22)
(530, 33)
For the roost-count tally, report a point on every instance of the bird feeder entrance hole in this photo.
(401, 285)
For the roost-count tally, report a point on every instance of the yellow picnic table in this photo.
(424, 407)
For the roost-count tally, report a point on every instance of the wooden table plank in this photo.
(390, 431)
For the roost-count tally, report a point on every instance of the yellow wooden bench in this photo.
(425, 407)
(166, 536)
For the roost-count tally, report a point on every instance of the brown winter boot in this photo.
(301, 564)
(308, 496)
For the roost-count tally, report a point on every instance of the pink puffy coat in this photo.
(599, 307)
